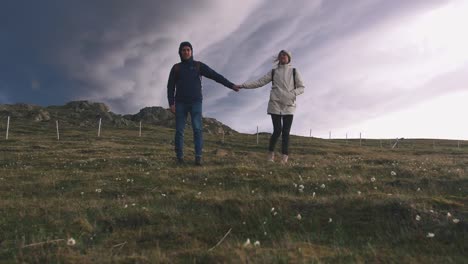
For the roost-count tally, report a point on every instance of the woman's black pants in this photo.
(281, 126)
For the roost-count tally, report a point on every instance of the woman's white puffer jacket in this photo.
(283, 93)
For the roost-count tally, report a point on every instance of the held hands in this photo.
(236, 87)
(173, 108)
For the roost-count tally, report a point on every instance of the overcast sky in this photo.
(382, 68)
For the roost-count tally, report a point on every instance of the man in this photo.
(184, 93)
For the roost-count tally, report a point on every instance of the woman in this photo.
(286, 85)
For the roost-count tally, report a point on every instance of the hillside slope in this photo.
(123, 199)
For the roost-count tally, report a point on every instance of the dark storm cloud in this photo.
(62, 44)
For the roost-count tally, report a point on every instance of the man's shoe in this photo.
(198, 161)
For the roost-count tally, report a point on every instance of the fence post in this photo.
(329, 135)
(222, 141)
(346, 138)
(139, 134)
(360, 139)
(99, 128)
(257, 135)
(57, 126)
(8, 127)
(310, 133)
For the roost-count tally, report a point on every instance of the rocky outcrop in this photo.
(154, 115)
(87, 114)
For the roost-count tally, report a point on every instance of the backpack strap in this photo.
(272, 77)
(294, 77)
(197, 66)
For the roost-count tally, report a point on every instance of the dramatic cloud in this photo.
(360, 60)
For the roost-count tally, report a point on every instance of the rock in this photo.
(221, 153)
(42, 115)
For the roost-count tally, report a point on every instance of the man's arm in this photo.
(171, 89)
(213, 75)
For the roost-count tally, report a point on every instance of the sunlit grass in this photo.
(123, 198)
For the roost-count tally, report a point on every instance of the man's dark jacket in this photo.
(184, 84)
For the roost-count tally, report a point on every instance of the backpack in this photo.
(273, 75)
(177, 69)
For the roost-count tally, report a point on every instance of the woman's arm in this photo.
(258, 83)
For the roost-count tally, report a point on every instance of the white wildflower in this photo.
(82, 193)
(418, 218)
(163, 194)
(418, 190)
(322, 186)
(247, 243)
(456, 220)
(299, 217)
(125, 206)
(71, 242)
(375, 188)
(393, 173)
(133, 204)
(272, 209)
(330, 220)
(372, 179)
(98, 190)
(275, 213)
(257, 243)
(430, 235)
(449, 214)
(359, 192)
(313, 195)
(295, 185)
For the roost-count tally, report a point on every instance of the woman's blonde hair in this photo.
(276, 59)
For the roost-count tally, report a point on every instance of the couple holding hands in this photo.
(184, 93)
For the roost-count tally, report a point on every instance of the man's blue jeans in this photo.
(182, 110)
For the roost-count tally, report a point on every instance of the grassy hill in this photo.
(123, 199)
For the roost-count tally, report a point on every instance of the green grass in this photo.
(124, 199)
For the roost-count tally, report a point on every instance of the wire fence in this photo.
(24, 126)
